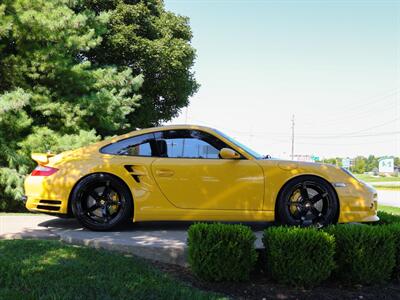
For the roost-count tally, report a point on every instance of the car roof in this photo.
(99, 145)
(156, 129)
(172, 127)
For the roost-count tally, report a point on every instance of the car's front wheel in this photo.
(307, 201)
(101, 202)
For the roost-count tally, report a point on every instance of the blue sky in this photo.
(335, 65)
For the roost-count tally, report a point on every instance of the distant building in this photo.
(386, 165)
(304, 157)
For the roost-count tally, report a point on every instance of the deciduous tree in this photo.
(154, 42)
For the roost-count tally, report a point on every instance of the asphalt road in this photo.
(388, 183)
(387, 197)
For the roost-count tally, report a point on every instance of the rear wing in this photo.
(42, 158)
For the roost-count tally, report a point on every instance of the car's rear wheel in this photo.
(101, 202)
(307, 201)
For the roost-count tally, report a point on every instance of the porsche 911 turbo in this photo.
(191, 173)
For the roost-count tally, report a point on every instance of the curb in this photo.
(170, 255)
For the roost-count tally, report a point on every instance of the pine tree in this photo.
(51, 96)
(71, 70)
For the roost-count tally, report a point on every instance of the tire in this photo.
(307, 201)
(101, 202)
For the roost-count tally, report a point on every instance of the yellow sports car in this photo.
(191, 173)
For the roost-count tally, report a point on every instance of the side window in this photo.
(142, 145)
(188, 144)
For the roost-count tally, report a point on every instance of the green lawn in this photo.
(375, 181)
(389, 209)
(34, 269)
(31, 269)
(387, 187)
(369, 178)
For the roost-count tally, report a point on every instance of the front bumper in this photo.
(358, 203)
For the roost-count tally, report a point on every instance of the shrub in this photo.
(395, 229)
(299, 256)
(220, 252)
(388, 218)
(364, 254)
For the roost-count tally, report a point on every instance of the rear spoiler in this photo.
(42, 158)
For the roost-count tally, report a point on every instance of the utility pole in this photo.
(292, 137)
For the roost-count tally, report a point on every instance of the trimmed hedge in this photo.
(364, 254)
(395, 229)
(219, 252)
(387, 218)
(299, 256)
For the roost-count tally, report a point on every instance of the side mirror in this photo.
(227, 153)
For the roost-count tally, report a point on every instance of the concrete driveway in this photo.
(161, 241)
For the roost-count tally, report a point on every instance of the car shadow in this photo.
(73, 224)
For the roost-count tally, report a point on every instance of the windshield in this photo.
(240, 145)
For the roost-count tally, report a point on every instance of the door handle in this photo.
(164, 173)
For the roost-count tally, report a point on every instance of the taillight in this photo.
(43, 171)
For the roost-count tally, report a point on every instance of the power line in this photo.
(377, 126)
(350, 136)
(364, 111)
(342, 135)
(354, 134)
(345, 144)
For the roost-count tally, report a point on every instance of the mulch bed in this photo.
(260, 287)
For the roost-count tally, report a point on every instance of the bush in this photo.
(364, 254)
(11, 191)
(220, 252)
(299, 256)
(395, 229)
(8, 204)
(387, 218)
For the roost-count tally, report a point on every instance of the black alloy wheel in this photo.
(307, 201)
(101, 202)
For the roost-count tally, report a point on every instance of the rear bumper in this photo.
(41, 196)
(45, 205)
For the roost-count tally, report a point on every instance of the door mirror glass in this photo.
(227, 153)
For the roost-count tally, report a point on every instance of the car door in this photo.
(134, 156)
(191, 174)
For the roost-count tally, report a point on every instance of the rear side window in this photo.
(142, 145)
